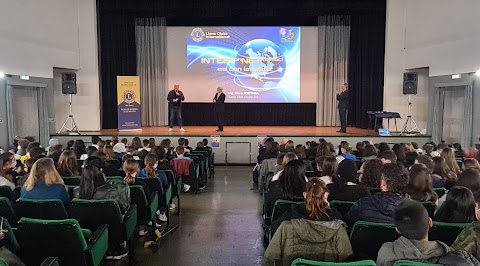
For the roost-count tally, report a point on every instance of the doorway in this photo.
(27, 111)
(452, 113)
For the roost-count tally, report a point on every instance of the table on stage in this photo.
(380, 115)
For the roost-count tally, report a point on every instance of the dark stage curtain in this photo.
(366, 66)
(251, 114)
(116, 25)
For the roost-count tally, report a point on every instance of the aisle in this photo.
(221, 226)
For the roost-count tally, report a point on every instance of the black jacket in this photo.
(343, 100)
(111, 190)
(172, 95)
(219, 99)
(457, 258)
(378, 208)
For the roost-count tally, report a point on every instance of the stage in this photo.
(238, 144)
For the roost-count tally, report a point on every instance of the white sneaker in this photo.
(170, 129)
(162, 217)
(172, 206)
(186, 188)
(142, 232)
(182, 129)
(150, 224)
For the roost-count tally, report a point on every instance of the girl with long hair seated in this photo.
(344, 186)
(371, 173)
(151, 171)
(44, 183)
(94, 186)
(290, 185)
(319, 236)
(458, 208)
(420, 184)
(7, 174)
(131, 168)
(67, 164)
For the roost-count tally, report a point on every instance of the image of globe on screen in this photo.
(266, 70)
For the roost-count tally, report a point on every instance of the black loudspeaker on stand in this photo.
(410, 82)
(69, 86)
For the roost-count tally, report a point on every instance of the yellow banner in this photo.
(128, 97)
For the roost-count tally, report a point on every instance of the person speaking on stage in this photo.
(342, 98)
(219, 106)
(175, 98)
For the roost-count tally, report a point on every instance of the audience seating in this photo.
(41, 209)
(7, 192)
(413, 263)
(342, 206)
(446, 232)
(367, 238)
(302, 262)
(120, 229)
(71, 180)
(430, 206)
(7, 211)
(146, 210)
(440, 191)
(115, 162)
(9, 241)
(176, 184)
(40, 239)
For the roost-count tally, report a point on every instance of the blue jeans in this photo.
(176, 111)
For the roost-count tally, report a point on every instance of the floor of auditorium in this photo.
(220, 226)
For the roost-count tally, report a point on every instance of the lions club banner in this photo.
(129, 108)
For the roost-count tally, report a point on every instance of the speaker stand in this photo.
(72, 129)
(410, 126)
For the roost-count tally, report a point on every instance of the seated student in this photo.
(119, 150)
(22, 148)
(187, 145)
(329, 169)
(109, 154)
(100, 145)
(345, 152)
(126, 157)
(131, 151)
(180, 152)
(301, 154)
(459, 207)
(70, 144)
(181, 142)
(315, 198)
(108, 169)
(32, 146)
(136, 143)
(371, 173)
(470, 163)
(151, 142)
(369, 153)
(205, 143)
(163, 163)
(469, 238)
(289, 186)
(93, 185)
(399, 150)
(289, 156)
(420, 185)
(131, 168)
(388, 157)
(313, 234)
(427, 149)
(380, 207)
(67, 164)
(146, 145)
(27, 168)
(343, 186)
(150, 170)
(54, 152)
(90, 151)
(469, 178)
(124, 141)
(437, 181)
(441, 169)
(8, 175)
(45, 183)
(412, 222)
(360, 149)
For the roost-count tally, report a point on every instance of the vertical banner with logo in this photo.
(129, 108)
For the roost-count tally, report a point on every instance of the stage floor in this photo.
(236, 131)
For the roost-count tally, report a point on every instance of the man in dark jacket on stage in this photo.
(219, 104)
(380, 207)
(342, 98)
(175, 98)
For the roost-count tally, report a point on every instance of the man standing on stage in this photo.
(342, 98)
(219, 105)
(175, 98)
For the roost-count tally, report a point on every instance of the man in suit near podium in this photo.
(219, 106)
(342, 98)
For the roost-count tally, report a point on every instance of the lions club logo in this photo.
(129, 96)
(197, 35)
